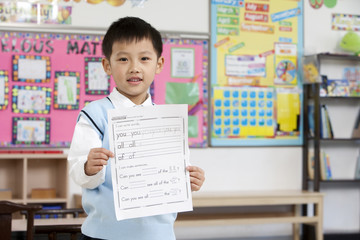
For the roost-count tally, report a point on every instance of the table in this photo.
(221, 208)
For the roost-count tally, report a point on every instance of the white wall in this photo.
(318, 36)
(165, 15)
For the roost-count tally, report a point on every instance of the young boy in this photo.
(132, 50)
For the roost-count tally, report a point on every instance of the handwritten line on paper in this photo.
(152, 130)
(147, 142)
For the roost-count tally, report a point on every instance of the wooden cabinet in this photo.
(22, 173)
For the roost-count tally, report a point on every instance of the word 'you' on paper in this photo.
(148, 170)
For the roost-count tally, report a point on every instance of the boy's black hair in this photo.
(129, 29)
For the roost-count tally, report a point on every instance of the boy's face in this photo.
(133, 67)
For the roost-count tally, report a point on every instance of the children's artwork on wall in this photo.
(31, 99)
(97, 82)
(4, 89)
(255, 53)
(182, 62)
(184, 80)
(67, 90)
(29, 68)
(31, 130)
(44, 77)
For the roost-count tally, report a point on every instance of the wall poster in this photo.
(256, 93)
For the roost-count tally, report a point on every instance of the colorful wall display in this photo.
(47, 78)
(184, 80)
(256, 93)
(45, 86)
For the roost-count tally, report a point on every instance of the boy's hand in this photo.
(197, 177)
(97, 158)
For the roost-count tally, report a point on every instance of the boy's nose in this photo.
(134, 68)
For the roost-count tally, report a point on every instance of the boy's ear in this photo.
(106, 66)
(160, 64)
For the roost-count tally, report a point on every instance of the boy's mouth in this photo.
(134, 79)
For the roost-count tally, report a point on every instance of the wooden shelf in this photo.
(47, 200)
(336, 139)
(339, 98)
(334, 56)
(352, 181)
(355, 181)
(21, 173)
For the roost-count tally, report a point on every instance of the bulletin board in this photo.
(184, 80)
(47, 78)
(256, 92)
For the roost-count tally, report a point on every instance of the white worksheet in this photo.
(148, 170)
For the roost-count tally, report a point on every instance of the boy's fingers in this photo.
(194, 169)
(196, 172)
(195, 181)
(102, 151)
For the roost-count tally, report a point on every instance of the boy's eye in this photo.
(145, 58)
(123, 59)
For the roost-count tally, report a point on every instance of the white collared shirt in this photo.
(86, 138)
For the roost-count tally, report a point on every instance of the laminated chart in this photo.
(243, 112)
(255, 83)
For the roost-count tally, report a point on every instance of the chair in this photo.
(58, 213)
(7, 208)
(53, 230)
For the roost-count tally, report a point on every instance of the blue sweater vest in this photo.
(98, 203)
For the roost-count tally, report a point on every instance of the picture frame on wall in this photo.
(31, 68)
(67, 90)
(4, 89)
(31, 99)
(97, 82)
(31, 130)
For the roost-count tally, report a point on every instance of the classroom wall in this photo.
(165, 15)
(227, 169)
(239, 168)
(318, 35)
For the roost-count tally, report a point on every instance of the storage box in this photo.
(43, 193)
(5, 194)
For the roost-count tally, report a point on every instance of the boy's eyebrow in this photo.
(125, 52)
(121, 52)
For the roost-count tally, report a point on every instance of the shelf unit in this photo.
(340, 143)
(312, 94)
(21, 173)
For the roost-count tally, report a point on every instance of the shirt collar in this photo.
(119, 100)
